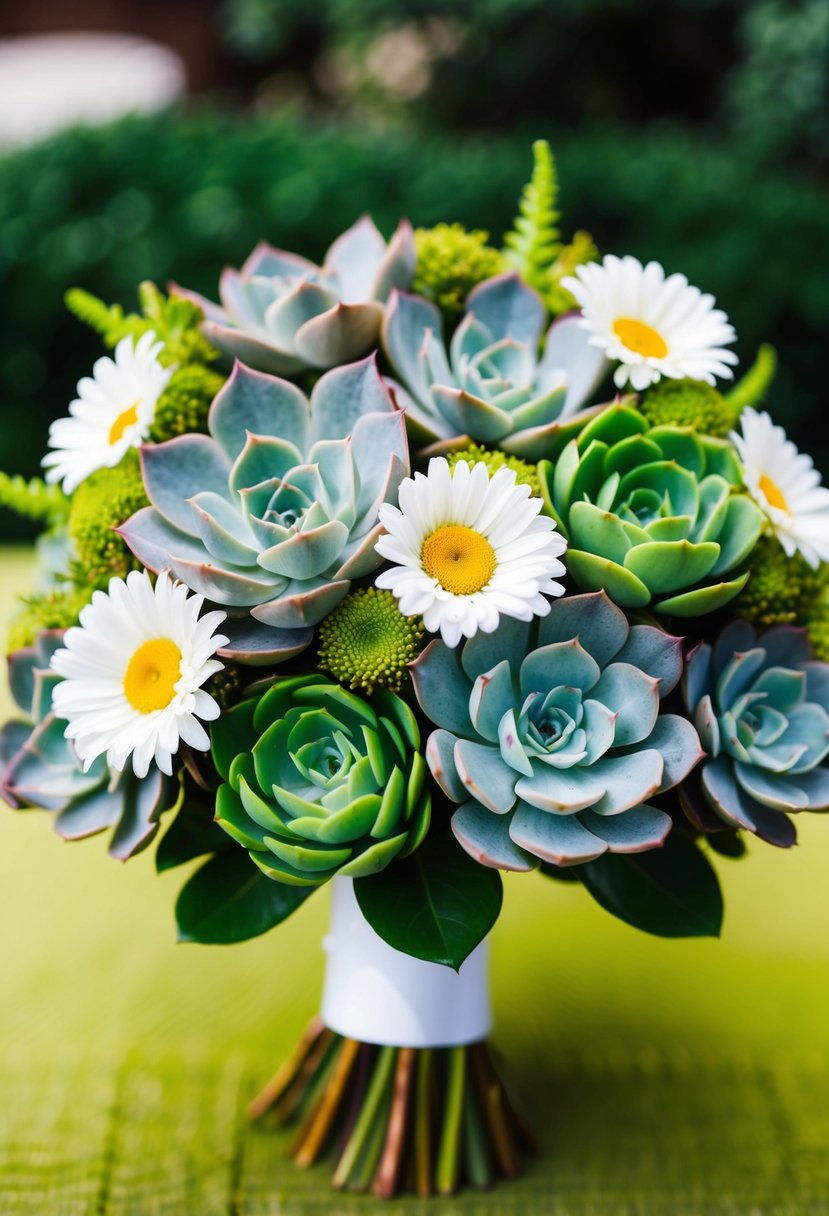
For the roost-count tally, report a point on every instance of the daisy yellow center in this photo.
(774, 495)
(639, 337)
(152, 674)
(125, 418)
(459, 558)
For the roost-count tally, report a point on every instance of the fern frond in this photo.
(33, 499)
(534, 242)
(754, 387)
(106, 319)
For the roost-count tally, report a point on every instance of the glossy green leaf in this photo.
(229, 900)
(671, 891)
(193, 833)
(436, 904)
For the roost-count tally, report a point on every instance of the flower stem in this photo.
(383, 1071)
(422, 1130)
(397, 1118)
(449, 1152)
(287, 1073)
(388, 1172)
(315, 1129)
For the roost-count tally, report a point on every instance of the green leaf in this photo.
(754, 387)
(192, 833)
(436, 904)
(230, 900)
(671, 892)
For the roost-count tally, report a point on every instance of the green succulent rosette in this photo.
(653, 515)
(40, 769)
(551, 735)
(318, 781)
(761, 706)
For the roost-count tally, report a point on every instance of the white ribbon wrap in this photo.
(378, 995)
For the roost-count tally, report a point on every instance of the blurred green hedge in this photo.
(177, 195)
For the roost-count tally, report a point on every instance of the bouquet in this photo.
(434, 561)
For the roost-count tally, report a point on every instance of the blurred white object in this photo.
(51, 81)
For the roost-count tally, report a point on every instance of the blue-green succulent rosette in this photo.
(274, 513)
(490, 385)
(654, 515)
(552, 738)
(280, 313)
(761, 706)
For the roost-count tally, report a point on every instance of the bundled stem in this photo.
(396, 1118)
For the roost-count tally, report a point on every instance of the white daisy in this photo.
(467, 549)
(655, 326)
(133, 671)
(785, 485)
(112, 412)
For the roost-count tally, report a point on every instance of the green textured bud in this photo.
(57, 608)
(818, 626)
(227, 686)
(526, 474)
(450, 262)
(183, 406)
(688, 403)
(99, 505)
(781, 590)
(319, 781)
(367, 642)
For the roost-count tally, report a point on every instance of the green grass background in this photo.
(663, 1077)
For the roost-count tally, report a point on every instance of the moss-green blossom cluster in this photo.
(367, 642)
(781, 590)
(688, 403)
(184, 404)
(227, 687)
(57, 608)
(526, 474)
(450, 262)
(818, 627)
(103, 501)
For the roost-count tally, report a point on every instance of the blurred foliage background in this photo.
(692, 132)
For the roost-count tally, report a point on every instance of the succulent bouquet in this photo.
(430, 562)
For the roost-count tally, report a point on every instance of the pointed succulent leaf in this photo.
(560, 840)
(486, 838)
(253, 403)
(641, 828)
(703, 599)
(508, 308)
(600, 574)
(355, 259)
(176, 470)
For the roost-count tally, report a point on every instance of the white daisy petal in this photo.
(653, 325)
(112, 412)
(133, 672)
(785, 485)
(469, 548)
